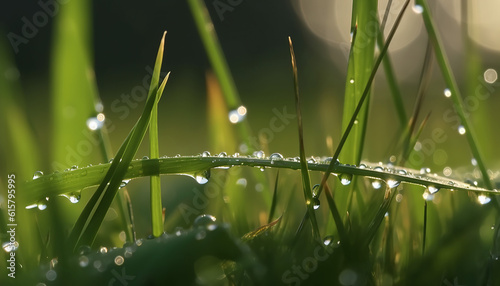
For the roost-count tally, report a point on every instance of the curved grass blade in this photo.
(456, 97)
(90, 219)
(306, 183)
(154, 149)
(275, 199)
(362, 99)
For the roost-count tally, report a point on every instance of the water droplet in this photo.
(119, 260)
(203, 220)
(362, 166)
(328, 240)
(202, 177)
(315, 190)
(10, 246)
(461, 130)
(222, 154)
(73, 197)
(145, 158)
(312, 161)
(327, 160)
(37, 175)
(93, 123)
(316, 203)
(205, 154)
(237, 115)
(392, 183)
(74, 167)
(447, 92)
(259, 154)
(424, 171)
(402, 172)
(432, 190)
(351, 80)
(490, 76)
(110, 160)
(378, 169)
(483, 199)
(418, 9)
(83, 261)
(473, 161)
(427, 195)
(276, 157)
(376, 184)
(178, 231)
(124, 183)
(345, 179)
(103, 250)
(42, 205)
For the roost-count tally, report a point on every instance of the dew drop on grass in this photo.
(203, 220)
(461, 130)
(418, 9)
(362, 166)
(259, 154)
(402, 172)
(10, 246)
(316, 203)
(202, 177)
(73, 197)
(433, 190)
(351, 81)
(393, 183)
(74, 167)
(145, 158)
(376, 184)
(315, 190)
(124, 183)
(328, 240)
(205, 154)
(312, 160)
(103, 250)
(276, 157)
(237, 115)
(378, 169)
(427, 195)
(37, 175)
(222, 154)
(483, 199)
(42, 205)
(345, 179)
(95, 123)
(447, 92)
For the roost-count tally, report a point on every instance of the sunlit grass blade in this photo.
(377, 219)
(90, 219)
(363, 98)
(452, 85)
(306, 183)
(275, 199)
(121, 168)
(154, 148)
(343, 234)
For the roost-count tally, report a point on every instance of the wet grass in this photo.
(376, 223)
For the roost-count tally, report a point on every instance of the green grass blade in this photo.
(218, 62)
(306, 183)
(365, 93)
(73, 83)
(456, 96)
(275, 199)
(154, 149)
